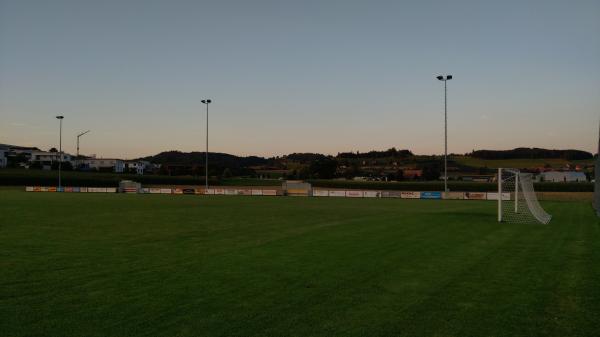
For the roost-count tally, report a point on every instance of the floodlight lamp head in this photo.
(60, 117)
(449, 77)
(441, 78)
(208, 101)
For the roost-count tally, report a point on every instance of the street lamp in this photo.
(445, 79)
(60, 119)
(79, 135)
(207, 102)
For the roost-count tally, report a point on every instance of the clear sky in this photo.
(299, 76)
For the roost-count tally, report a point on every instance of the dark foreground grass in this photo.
(157, 265)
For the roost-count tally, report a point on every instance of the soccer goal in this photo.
(522, 206)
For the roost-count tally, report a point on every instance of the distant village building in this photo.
(46, 159)
(139, 166)
(566, 176)
(102, 164)
(412, 173)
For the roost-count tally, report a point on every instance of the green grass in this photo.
(165, 265)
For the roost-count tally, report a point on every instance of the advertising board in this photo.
(453, 195)
(165, 191)
(354, 194)
(410, 195)
(269, 192)
(337, 193)
(475, 195)
(257, 192)
(431, 195)
(494, 196)
(372, 194)
(320, 193)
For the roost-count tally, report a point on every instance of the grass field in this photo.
(163, 265)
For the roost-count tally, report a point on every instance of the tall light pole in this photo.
(60, 119)
(445, 80)
(207, 102)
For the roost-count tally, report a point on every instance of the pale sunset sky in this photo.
(299, 76)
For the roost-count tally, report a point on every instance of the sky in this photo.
(299, 76)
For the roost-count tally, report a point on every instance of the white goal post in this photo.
(522, 206)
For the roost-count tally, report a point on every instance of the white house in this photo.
(115, 165)
(566, 176)
(139, 166)
(47, 158)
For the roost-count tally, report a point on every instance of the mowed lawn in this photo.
(176, 265)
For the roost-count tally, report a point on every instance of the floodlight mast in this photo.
(207, 102)
(445, 79)
(60, 119)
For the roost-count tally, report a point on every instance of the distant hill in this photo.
(532, 153)
(216, 158)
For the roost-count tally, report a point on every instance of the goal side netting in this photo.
(521, 204)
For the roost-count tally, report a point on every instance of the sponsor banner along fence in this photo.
(354, 194)
(320, 193)
(475, 195)
(431, 195)
(372, 194)
(494, 196)
(244, 192)
(410, 195)
(337, 193)
(453, 195)
(274, 192)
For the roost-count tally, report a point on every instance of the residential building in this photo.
(563, 176)
(139, 166)
(102, 164)
(46, 159)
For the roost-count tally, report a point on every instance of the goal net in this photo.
(523, 205)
